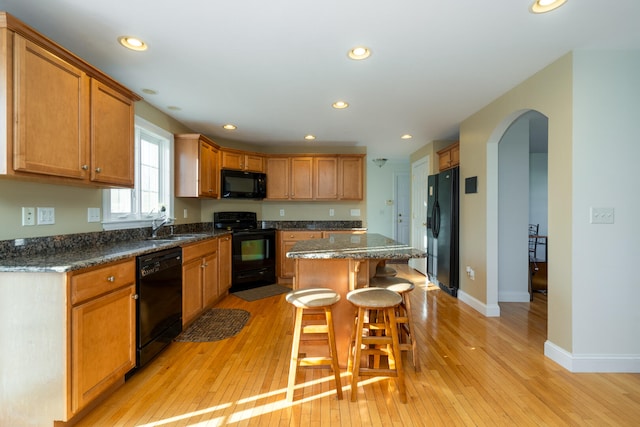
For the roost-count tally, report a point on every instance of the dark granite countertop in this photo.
(64, 258)
(357, 246)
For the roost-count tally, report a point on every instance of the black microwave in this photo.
(243, 185)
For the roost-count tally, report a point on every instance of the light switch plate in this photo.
(602, 216)
(93, 214)
(355, 212)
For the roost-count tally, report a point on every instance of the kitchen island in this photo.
(344, 262)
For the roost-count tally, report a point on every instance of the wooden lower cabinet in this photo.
(224, 265)
(102, 344)
(285, 267)
(199, 278)
(103, 330)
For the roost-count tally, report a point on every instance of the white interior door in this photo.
(402, 208)
(419, 175)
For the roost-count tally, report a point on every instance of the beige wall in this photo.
(549, 92)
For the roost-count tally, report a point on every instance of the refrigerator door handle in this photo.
(436, 220)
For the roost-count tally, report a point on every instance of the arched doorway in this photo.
(510, 150)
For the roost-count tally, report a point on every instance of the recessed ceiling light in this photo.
(174, 108)
(150, 91)
(132, 43)
(340, 105)
(359, 52)
(309, 137)
(229, 126)
(542, 6)
(406, 136)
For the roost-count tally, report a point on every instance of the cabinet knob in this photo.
(134, 296)
(98, 170)
(85, 167)
(111, 279)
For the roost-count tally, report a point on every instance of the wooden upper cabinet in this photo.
(301, 178)
(351, 178)
(112, 142)
(325, 176)
(51, 110)
(196, 166)
(315, 177)
(65, 121)
(239, 160)
(277, 178)
(449, 157)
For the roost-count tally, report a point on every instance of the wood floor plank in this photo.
(476, 371)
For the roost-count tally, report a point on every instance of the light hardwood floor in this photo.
(476, 371)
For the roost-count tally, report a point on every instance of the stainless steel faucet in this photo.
(164, 220)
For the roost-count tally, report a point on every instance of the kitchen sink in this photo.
(174, 237)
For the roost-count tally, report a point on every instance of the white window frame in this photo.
(144, 219)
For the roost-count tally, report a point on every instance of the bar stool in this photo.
(407, 336)
(382, 270)
(386, 301)
(315, 300)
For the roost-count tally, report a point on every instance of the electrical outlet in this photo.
(281, 212)
(46, 216)
(331, 212)
(28, 216)
(355, 212)
(184, 213)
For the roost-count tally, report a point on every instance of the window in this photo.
(137, 207)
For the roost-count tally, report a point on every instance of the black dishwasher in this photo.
(159, 303)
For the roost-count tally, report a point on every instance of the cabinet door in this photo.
(51, 113)
(301, 178)
(224, 264)
(351, 178)
(112, 139)
(191, 290)
(208, 173)
(209, 279)
(325, 177)
(102, 344)
(287, 265)
(278, 178)
(254, 163)
(232, 160)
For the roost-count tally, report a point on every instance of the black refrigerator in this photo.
(443, 200)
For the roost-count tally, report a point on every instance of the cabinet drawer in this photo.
(89, 284)
(199, 249)
(301, 235)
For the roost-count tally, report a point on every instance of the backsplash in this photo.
(36, 245)
(311, 225)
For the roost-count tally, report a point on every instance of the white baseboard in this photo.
(514, 297)
(592, 362)
(486, 310)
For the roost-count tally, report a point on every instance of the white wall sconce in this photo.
(379, 162)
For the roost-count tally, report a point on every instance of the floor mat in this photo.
(215, 324)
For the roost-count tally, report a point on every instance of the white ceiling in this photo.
(274, 68)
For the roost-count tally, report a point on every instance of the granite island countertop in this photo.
(64, 259)
(356, 246)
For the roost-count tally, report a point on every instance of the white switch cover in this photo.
(331, 212)
(602, 216)
(93, 214)
(281, 212)
(355, 212)
(46, 216)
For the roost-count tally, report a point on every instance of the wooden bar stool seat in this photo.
(407, 336)
(385, 301)
(311, 301)
(382, 270)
